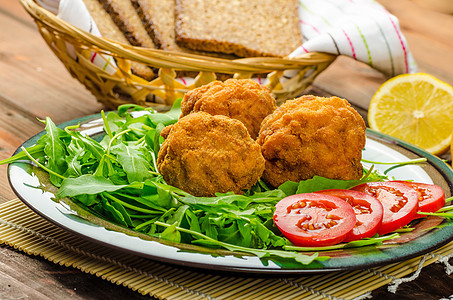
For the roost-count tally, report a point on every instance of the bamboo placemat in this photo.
(24, 230)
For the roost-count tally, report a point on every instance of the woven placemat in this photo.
(24, 230)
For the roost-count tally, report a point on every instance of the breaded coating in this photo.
(311, 136)
(241, 99)
(205, 154)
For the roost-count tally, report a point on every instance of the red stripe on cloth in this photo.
(311, 25)
(401, 41)
(183, 81)
(94, 55)
(350, 44)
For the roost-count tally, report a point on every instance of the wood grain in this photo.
(25, 277)
(32, 77)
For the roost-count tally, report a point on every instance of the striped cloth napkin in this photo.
(361, 29)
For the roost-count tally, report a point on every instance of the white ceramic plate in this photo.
(378, 148)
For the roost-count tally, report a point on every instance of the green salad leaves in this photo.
(114, 176)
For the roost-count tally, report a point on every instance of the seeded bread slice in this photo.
(241, 27)
(128, 21)
(108, 29)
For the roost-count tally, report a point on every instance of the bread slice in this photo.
(125, 16)
(108, 29)
(158, 16)
(244, 28)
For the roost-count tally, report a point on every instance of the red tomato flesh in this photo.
(368, 211)
(400, 203)
(431, 197)
(314, 220)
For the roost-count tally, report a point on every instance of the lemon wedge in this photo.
(416, 108)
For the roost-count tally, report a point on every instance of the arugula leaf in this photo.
(37, 151)
(91, 146)
(74, 159)
(261, 253)
(208, 227)
(114, 122)
(178, 216)
(87, 200)
(193, 221)
(124, 109)
(123, 212)
(398, 164)
(175, 111)
(156, 139)
(162, 119)
(171, 234)
(354, 244)
(289, 187)
(150, 202)
(318, 183)
(86, 184)
(131, 158)
(55, 150)
(267, 235)
(114, 213)
(447, 215)
(237, 232)
(231, 200)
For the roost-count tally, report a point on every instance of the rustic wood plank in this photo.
(16, 126)
(11, 288)
(428, 286)
(34, 77)
(29, 277)
(15, 10)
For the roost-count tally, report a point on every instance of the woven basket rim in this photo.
(170, 59)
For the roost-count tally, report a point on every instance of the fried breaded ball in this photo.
(311, 136)
(204, 154)
(241, 99)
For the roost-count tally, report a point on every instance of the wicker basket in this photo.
(120, 87)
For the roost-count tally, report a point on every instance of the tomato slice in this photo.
(368, 211)
(431, 197)
(314, 220)
(400, 203)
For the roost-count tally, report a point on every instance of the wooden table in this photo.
(34, 84)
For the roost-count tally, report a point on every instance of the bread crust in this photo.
(110, 30)
(128, 21)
